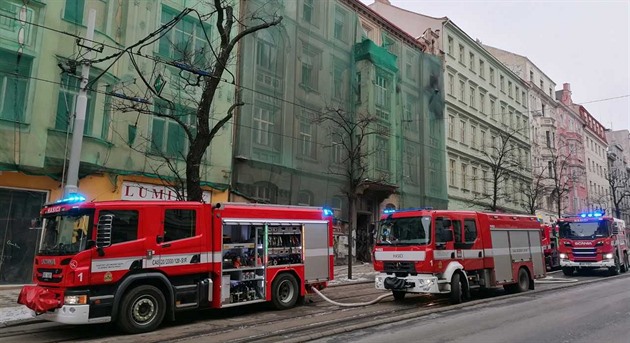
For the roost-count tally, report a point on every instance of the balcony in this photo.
(379, 56)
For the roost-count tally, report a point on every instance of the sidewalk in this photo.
(11, 311)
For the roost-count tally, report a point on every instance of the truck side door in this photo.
(180, 240)
(470, 245)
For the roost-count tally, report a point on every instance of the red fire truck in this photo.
(138, 262)
(550, 247)
(450, 252)
(593, 240)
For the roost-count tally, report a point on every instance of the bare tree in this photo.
(619, 183)
(563, 176)
(198, 80)
(349, 134)
(503, 158)
(535, 192)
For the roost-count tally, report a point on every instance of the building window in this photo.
(266, 51)
(308, 9)
(73, 11)
(452, 173)
(263, 127)
(451, 84)
(504, 116)
(550, 168)
(517, 93)
(410, 72)
(411, 163)
(461, 54)
(337, 148)
(305, 198)
(340, 29)
(473, 96)
(339, 86)
(14, 86)
(491, 76)
(266, 191)
(186, 41)
(542, 84)
(474, 180)
(309, 68)
(464, 175)
(462, 132)
(482, 102)
(473, 136)
(510, 89)
(548, 136)
(382, 99)
(482, 69)
(179, 224)
(67, 101)
(531, 76)
(451, 127)
(502, 83)
(492, 107)
(410, 113)
(382, 153)
(486, 182)
(471, 61)
(523, 97)
(306, 143)
(462, 90)
(450, 45)
(483, 139)
(167, 136)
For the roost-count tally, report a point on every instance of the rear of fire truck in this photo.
(592, 241)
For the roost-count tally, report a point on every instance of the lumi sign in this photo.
(147, 191)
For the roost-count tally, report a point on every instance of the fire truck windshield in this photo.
(404, 231)
(584, 230)
(66, 233)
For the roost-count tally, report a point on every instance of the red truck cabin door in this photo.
(179, 240)
(468, 247)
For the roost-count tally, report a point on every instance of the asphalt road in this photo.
(596, 312)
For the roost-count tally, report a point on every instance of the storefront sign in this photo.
(147, 191)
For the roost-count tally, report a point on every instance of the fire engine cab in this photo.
(593, 240)
(450, 252)
(136, 263)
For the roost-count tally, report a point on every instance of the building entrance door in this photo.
(18, 241)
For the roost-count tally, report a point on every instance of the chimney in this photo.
(566, 86)
(565, 97)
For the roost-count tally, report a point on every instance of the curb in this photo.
(354, 327)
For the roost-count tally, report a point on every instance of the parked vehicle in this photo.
(451, 252)
(591, 241)
(137, 263)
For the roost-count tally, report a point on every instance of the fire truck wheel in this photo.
(523, 281)
(568, 271)
(616, 269)
(398, 295)
(285, 291)
(626, 265)
(142, 309)
(457, 290)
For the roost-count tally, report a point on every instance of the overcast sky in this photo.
(584, 43)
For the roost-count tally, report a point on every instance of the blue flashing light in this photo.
(597, 214)
(389, 210)
(328, 212)
(592, 215)
(72, 198)
(589, 215)
(583, 215)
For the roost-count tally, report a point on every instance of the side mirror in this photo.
(615, 231)
(104, 231)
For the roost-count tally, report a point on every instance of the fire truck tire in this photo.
(142, 309)
(457, 289)
(626, 265)
(523, 281)
(568, 271)
(399, 295)
(285, 291)
(616, 269)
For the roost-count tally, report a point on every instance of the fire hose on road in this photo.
(550, 279)
(351, 304)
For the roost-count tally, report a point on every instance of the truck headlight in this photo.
(608, 256)
(563, 256)
(75, 299)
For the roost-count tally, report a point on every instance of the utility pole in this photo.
(72, 178)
